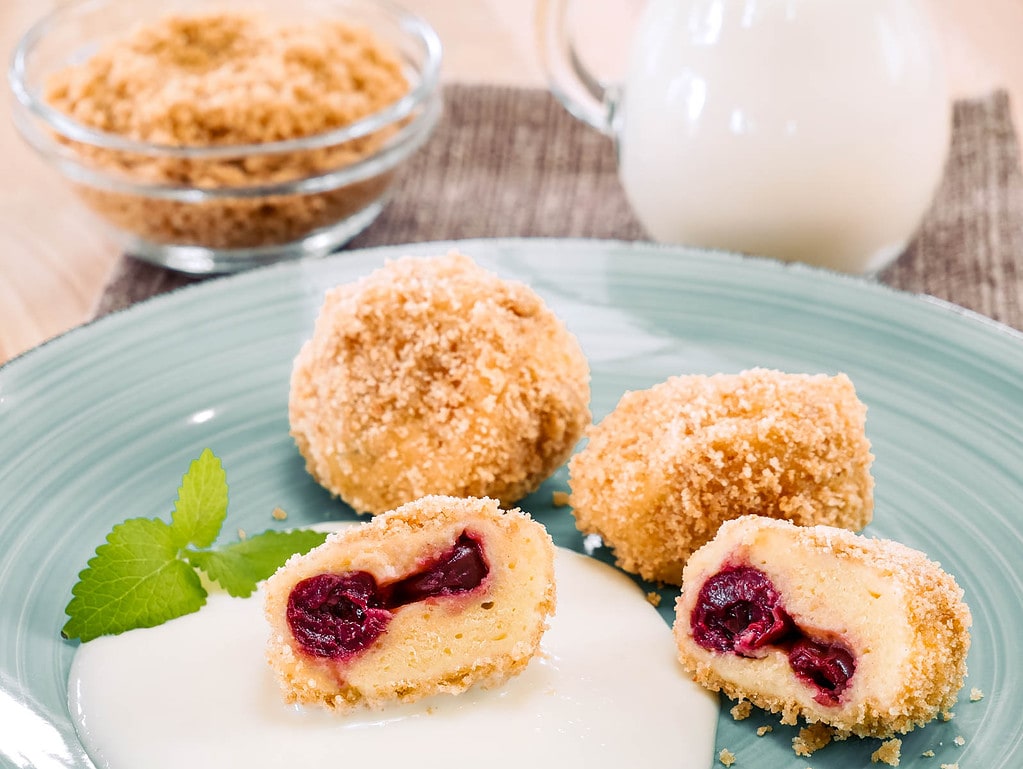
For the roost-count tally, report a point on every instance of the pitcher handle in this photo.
(582, 94)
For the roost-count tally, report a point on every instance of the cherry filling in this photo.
(739, 610)
(339, 615)
(458, 570)
(336, 615)
(828, 666)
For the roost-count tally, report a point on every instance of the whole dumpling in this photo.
(435, 376)
(670, 464)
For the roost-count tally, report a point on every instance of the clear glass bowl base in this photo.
(196, 260)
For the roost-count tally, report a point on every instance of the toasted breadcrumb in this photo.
(959, 740)
(928, 754)
(222, 78)
(726, 757)
(889, 752)
(560, 498)
(761, 731)
(654, 599)
(950, 766)
(242, 534)
(948, 715)
(279, 514)
(811, 739)
(976, 695)
(741, 710)
(230, 78)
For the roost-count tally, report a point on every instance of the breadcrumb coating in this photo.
(434, 376)
(902, 616)
(436, 646)
(662, 472)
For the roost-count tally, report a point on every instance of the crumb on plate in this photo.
(811, 739)
(741, 710)
(889, 752)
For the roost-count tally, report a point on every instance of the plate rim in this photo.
(216, 283)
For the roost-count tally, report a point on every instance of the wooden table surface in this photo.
(54, 262)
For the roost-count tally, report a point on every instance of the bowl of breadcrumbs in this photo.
(218, 136)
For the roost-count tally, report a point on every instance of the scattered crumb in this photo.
(279, 514)
(888, 753)
(560, 498)
(242, 534)
(741, 710)
(959, 741)
(950, 766)
(761, 731)
(811, 739)
(654, 599)
(948, 715)
(928, 754)
(976, 695)
(726, 757)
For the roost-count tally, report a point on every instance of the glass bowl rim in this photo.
(66, 127)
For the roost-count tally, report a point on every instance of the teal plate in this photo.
(98, 425)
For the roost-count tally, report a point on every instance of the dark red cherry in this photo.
(458, 570)
(826, 666)
(336, 615)
(339, 615)
(739, 610)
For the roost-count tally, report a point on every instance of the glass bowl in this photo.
(205, 208)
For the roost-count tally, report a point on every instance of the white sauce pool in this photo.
(196, 692)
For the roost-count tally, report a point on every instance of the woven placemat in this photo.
(509, 162)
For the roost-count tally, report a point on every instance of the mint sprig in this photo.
(145, 572)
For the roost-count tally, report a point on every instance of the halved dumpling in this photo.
(435, 596)
(865, 635)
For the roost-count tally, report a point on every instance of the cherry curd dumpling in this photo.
(435, 596)
(865, 635)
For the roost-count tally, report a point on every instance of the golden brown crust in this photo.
(671, 463)
(910, 633)
(432, 646)
(434, 376)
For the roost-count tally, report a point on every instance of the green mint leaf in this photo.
(239, 566)
(201, 506)
(134, 580)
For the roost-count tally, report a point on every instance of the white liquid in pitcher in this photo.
(809, 130)
(196, 692)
